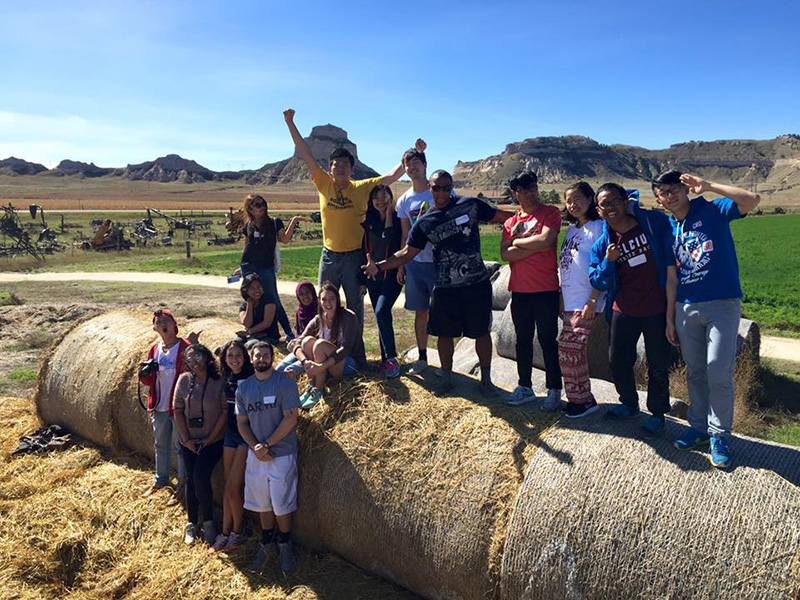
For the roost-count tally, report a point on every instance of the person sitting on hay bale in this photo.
(235, 366)
(257, 313)
(307, 305)
(708, 294)
(462, 297)
(266, 413)
(160, 373)
(200, 414)
(330, 345)
(632, 261)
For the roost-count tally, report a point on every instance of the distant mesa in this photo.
(17, 166)
(79, 169)
(773, 165)
(323, 140)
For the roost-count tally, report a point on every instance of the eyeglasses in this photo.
(259, 205)
(442, 188)
(664, 192)
(194, 357)
(615, 201)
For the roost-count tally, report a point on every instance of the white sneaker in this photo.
(553, 400)
(521, 395)
(190, 536)
(417, 367)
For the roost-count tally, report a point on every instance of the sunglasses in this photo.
(259, 205)
(441, 188)
(194, 357)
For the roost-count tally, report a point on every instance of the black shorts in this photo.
(461, 311)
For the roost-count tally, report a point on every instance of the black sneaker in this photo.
(576, 411)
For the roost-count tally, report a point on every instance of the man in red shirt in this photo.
(529, 245)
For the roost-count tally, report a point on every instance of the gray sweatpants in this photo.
(343, 269)
(708, 333)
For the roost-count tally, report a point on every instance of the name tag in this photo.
(637, 260)
(256, 234)
(528, 225)
(462, 219)
(269, 399)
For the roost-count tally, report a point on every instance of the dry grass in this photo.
(72, 525)
(748, 418)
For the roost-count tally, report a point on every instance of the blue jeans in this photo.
(292, 364)
(708, 332)
(343, 269)
(269, 282)
(166, 441)
(383, 295)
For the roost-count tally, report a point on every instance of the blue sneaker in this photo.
(720, 455)
(314, 397)
(305, 395)
(620, 412)
(691, 439)
(653, 426)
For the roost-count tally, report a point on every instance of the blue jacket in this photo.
(657, 230)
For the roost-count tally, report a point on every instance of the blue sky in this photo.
(116, 83)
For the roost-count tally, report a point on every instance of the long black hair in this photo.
(587, 192)
(212, 371)
(247, 366)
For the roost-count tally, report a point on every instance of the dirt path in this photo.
(771, 346)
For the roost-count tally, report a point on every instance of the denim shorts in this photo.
(292, 364)
(420, 279)
(232, 439)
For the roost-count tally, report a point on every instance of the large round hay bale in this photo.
(604, 514)
(421, 489)
(89, 382)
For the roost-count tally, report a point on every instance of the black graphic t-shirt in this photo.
(453, 231)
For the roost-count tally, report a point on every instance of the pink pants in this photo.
(573, 358)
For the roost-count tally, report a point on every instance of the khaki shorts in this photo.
(271, 486)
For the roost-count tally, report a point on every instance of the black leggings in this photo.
(198, 480)
(537, 311)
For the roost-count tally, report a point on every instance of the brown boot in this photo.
(152, 490)
(176, 497)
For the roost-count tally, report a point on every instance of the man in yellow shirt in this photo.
(343, 205)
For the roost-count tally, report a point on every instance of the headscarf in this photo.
(305, 313)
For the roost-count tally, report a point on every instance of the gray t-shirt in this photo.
(263, 402)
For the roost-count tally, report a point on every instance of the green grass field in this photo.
(767, 247)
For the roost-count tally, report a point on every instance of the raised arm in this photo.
(285, 235)
(399, 169)
(300, 144)
(745, 201)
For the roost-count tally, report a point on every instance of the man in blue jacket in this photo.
(631, 261)
(708, 309)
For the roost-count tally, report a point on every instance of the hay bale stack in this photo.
(603, 514)
(88, 383)
(421, 490)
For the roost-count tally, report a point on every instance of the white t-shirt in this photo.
(167, 371)
(574, 265)
(412, 206)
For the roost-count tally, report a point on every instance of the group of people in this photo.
(669, 276)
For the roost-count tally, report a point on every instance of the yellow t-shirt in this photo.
(343, 211)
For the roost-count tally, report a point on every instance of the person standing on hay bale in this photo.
(462, 298)
(579, 300)
(160, 373)
(235, 366)
(200, 414)
(529, 243)
(260, 254)
(266, 413)
(330, 345)
(419, 275)
(708, 292)
(343, 205)
(381, 239)
(631, 263)
(257, 313)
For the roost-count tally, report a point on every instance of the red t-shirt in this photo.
(539, 271)
(639, 294)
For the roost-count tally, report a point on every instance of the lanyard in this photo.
(202, 396)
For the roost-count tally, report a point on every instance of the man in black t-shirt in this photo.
(462, 296)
